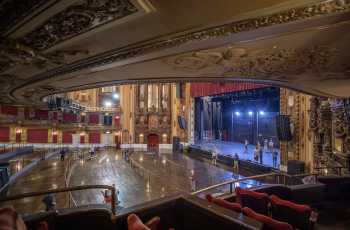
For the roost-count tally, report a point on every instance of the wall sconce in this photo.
(54, 133)
(82, 134)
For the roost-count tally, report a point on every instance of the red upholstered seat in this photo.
(224, 203)
(269, 223)
(296, 214)
(257, 201)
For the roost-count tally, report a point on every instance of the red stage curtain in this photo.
(93, 118)
(10, 110)
(208, 88)
(41, 114)
(67, 137)
(82, 118)
(4, 134)
(37, 136)
(94, 138)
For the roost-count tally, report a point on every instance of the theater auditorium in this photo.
(159, 114)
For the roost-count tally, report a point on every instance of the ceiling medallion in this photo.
(275, 64)
(291, 15)
(77, 19)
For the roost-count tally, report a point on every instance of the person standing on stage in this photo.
(256, 153)
(236, 163)
(271, 145)
(261, 155)
(274, 158)
(265, 145)
(214, 155)
(246, 146)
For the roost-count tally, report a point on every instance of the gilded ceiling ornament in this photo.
(301, 13)
(79, 18)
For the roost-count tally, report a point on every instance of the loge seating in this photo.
(255, 200)
(299, 216)
(259, 206)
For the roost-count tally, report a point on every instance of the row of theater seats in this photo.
(275, 213)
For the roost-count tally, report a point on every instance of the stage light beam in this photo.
(237, 113)
(250, 113)
(262, 113)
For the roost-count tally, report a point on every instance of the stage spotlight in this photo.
(116, 96)
(237, 113)
(250, 113)
(262, 113)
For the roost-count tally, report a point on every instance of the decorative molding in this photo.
(286, 16)
(78, 19)
(271, 64)
(13, 11)
(13, 53)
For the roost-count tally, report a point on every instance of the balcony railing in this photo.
(104, 109)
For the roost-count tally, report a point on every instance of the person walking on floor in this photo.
(62, 153)
(256, 153)
(265, 145)
(261, 155)
(246, 146)
(236, 164)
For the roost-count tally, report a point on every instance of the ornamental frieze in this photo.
(79, 18)
(301, 13)
(276, 64)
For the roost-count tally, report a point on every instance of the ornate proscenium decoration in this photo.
(79, 18)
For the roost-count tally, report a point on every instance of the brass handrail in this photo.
(69, 189)
(233, 181)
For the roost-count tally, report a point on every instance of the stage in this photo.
(230, 148)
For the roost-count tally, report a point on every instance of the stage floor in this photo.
(230, 148)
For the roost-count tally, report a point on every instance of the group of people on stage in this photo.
(259, 150)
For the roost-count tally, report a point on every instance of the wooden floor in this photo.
(49, 174)
(148, 178)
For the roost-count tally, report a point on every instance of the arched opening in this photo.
(152, 141)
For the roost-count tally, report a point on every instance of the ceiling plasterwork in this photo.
(291, 15)
(13, 53)
(319, 62)
(79, 18)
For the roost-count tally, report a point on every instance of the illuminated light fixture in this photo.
(116, 95)
(82, 134)
(117, 117)
(237, 113)
(18, 130)
(250, 113)
(106, 114)
(141, 135)
(108, 132)
(108, 103)
(54, 133)
(262, 113)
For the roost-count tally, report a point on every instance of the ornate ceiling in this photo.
(61, 45)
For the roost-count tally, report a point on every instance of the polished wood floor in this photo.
(148, 177)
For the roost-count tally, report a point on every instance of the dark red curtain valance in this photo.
(69, 117)
(209, 88)
(37, 136)
(41, 114)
